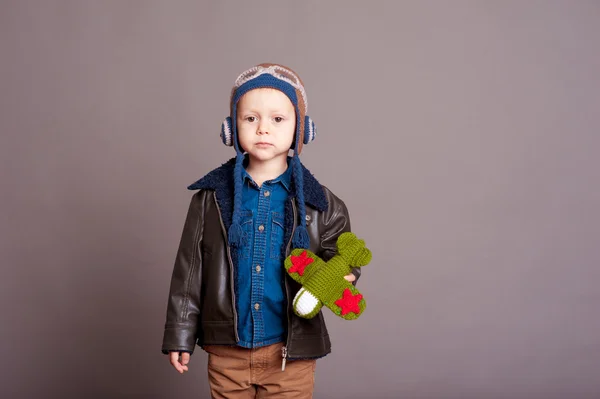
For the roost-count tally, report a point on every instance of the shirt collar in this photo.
(285, 178)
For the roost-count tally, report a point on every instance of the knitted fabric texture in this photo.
(323, 283)
(281, 78)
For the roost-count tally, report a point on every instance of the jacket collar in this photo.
(221, 181)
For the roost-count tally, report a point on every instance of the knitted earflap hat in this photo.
(282, 78)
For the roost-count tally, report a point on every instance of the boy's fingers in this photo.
(350, 277)
(185, 358)
(174, 358)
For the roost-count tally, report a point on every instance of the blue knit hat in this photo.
(282, 78)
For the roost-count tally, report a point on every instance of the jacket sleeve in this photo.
(336, 220)
(183, 307)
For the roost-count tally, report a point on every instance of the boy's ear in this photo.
(227, 132)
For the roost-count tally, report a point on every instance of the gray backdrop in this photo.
(463, 136)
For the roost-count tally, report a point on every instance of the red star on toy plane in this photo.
(349, 303)
(299, 263)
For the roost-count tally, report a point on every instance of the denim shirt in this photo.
(260, 288)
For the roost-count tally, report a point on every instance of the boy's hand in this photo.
(350, 277)
(180, 366)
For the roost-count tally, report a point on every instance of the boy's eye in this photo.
(278, 119)
(250, 119)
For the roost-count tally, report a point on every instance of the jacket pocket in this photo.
(248, 228)
(276, 235)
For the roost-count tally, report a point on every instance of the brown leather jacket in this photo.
(201, 306)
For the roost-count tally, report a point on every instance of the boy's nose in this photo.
(262, 128)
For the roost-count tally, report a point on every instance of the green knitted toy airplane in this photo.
(323, 282)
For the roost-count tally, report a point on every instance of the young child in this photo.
(230, 293)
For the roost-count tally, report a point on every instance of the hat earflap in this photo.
(227, 132)
(310, 131)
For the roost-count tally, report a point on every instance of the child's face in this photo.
(266, 123)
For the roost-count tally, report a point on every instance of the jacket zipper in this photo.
(283, 355)
(284, 350)
(233, 303)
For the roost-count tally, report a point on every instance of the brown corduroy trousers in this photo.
(235, 373)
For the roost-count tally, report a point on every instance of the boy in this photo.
(229, 291)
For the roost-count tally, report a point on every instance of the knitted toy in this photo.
(323, 282)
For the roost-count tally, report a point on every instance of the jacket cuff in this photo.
(166, 352)
(179, 339)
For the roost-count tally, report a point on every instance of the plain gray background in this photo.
(463, 137)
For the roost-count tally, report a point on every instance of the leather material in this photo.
(201, 306)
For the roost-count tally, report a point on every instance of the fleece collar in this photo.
(221, 181)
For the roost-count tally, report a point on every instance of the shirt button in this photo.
(261, 227)
(257, 268)
(267, 193)
(256, 306)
